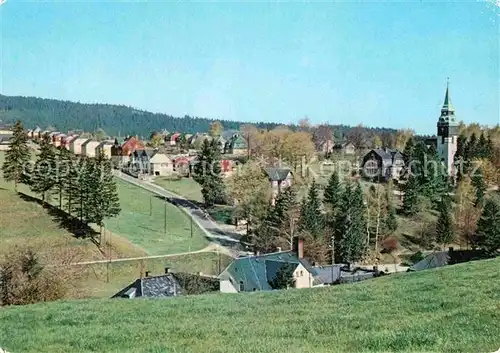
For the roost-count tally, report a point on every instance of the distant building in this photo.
(280, 178)
(447, 133)
(237, 145)
(383, 164)
(122, 149)
(105, 148)
(76, 145)
(445, 258)
(89, 148)
(344, 147)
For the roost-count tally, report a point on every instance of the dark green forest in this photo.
(115, 119)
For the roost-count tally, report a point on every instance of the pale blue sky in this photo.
(378, 63)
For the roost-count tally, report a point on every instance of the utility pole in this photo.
(165, 222)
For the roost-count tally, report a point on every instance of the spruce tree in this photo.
(391, 222)
(350, 226)
(63, 160)
(17, 156)
(480, 185)
(43, 178)
(408, 151)
(471, 151)
(207, 172)
(445, 233)
(488, 227)
(333, 191)
(72, 185)
(311, 218)
(411, 195)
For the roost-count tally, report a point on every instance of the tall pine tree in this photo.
(411, 197)
(488, 227)
(311, 218)
(44, 176)
(333, 192)
(480, 185)
(207, 172)
(17, 156)
(350, 226)
(445, 233)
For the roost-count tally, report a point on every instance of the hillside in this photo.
(453, 309)
(113, 119)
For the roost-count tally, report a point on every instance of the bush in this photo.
(417, 257)
(24, 280)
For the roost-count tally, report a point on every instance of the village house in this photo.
(383, 164)
(89, 148)
(76, 145)
(325, 146)
(160, 164)
(123, 148)
(35, 133)
(167, 285)
(5, 129)
(105, 148)
(5, 136)
(254, 273)
(344, 147)
(171, 139)
(67, 141)
(280, 178)
(445, 258)
(237, 145)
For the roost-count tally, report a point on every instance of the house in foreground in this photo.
(256, 273)
(168, 284)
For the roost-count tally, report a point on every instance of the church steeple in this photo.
(447, 106)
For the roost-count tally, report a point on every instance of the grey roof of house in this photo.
(152, 287)
(443, 258)
(160, 286)
(328, 274)
(4, 138)
(277, 174)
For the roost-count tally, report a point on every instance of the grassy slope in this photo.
(186, 187)
(136, 224)
(103, 280)
(454, 309)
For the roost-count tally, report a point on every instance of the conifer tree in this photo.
(72, 185)
(333, 191)
(17, 156)
(482, 147)
(488, 227)
(480, 185)
(63, 161)
(471, 148)
(311, 218)
(445, 233)
(43, 177)
(207, 173)
(409, 150)
(411, 195)
(391, 222)
(350, 226)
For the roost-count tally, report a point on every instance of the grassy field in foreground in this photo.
(185, 187)
(148, 231)
(104, 280)
(453, 309)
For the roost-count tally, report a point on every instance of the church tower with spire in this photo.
(447, 133)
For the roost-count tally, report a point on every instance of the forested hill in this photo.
(113, 119)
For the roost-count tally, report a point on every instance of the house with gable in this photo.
(383, 164)
(89, 148)
(237, 145)
(169, 284)
(254, 273)
(122, 149)
(76, 145)
(280, 178)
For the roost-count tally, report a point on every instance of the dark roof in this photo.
(450, 257)
(160, 286)
(4, 138)
(277, 174)
(328, 274)
(152, 287)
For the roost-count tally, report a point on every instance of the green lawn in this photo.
(454, 309)
(185, 187)
(104, 280)
(148, 231)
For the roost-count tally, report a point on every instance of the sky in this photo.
(376, 63)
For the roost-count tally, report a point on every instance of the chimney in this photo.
(167, 270)
(278, 249)
(147, 274)
(298, 247)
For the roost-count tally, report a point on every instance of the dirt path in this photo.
(210, 248)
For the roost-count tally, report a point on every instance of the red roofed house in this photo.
(122, 149)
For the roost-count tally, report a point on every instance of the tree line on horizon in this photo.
(120, 120)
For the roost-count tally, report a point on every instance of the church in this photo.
(447, 133)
